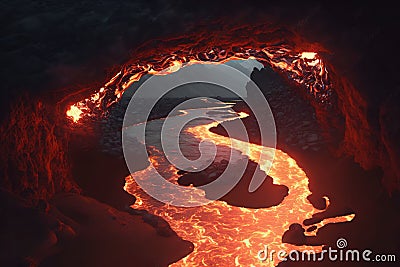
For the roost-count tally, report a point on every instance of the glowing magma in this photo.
(305, 68)
(225, 235)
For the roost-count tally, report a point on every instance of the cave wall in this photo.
(360, 44)
(34, 162)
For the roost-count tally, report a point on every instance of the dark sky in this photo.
(48, 45)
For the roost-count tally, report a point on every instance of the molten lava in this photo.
(304, 68)
(225, 235)
(74, 113)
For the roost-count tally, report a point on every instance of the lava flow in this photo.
(226, 235)
(304, 68)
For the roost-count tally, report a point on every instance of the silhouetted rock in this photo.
(267, 195)
(317, 201)
(295, 235)
(312, 228)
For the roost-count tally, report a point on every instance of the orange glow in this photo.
(174, 67)
(74, 113)
(225, 235)
(304, 68)
(311, 58)
(308, 55)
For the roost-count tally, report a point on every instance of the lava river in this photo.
(225, 235)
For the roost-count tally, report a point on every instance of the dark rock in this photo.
(107, 230)
(312, 221)
(295, 235)
(267, 195)
(181, 172)
(312, 138)
(161, 226)
(224, 162)
(317, 201)
(43, 205)
(312, 228)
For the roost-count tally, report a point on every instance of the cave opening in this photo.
(312, 150)
(293, 114)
